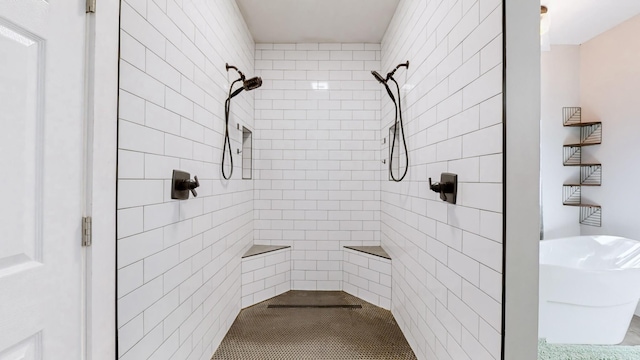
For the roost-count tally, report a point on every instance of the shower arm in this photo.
(242, 77)
(390, 74)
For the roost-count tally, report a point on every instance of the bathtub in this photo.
(589, 289)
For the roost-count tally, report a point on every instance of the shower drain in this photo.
(315, 306)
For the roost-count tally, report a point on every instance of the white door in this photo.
(41, 186)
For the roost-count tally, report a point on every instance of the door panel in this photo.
(20, 59)
(41, 190)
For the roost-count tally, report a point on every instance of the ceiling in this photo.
(578, 21)
(318, 21)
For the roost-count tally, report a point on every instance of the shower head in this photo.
(383, 81)
(253, 83)
(378, 77)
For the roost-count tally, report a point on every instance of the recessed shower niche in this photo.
(247, 157)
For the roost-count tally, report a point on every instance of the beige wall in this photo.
(610, 92)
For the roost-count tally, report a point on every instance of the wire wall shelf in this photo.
(591, 215)
(590, 173)
(571, 116)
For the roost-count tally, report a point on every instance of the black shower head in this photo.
(378, 77)
(383, 81)
(253, 83)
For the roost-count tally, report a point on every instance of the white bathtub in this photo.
(589, 289)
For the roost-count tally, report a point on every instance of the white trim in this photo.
(522, 91)
(101, 205)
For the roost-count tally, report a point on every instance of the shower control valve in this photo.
(447, 187)
(181, 184)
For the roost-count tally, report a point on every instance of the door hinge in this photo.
(86, 231)
(91, 6)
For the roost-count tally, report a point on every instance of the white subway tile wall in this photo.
(319, 181)
(317, 170)
(367, 277)
(179, 261)
(447, 259)
(265, 276)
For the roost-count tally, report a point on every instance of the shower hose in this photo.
(398, 107)
(227, 142)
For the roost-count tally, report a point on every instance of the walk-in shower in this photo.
(398, 119)
(247, 84)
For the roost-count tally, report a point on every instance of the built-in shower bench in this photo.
(366, 273)
(266, 272)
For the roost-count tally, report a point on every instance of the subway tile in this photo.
(131, 107)
(482, 304)
(485, 87)
(132, 51)
(130, 222)
(145, 347)
(156, 216)
(472, 346)
(464, 314)
(465, 266)
(491, 225)
(130, 334)
(489, 28)
(179, 104)
(159, 118)
(483, 142)
(138, 300)
(465, 218)
(132, 193)
(138, 83)
(163, 23)
(486, 251)
(491, 55)
(483, 196)
(130, 165)
(130, 278)
(136, 26)
(137, 247)
(491, 282)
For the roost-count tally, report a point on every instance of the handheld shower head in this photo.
(253, 83)
(383, 81)
(248, 85)
(378, 77)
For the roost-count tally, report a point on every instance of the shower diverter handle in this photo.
(447, 187)
(441, 188)
(189, 184)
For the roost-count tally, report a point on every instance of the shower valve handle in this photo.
(447, 187)
(190, 185)
(442, 188)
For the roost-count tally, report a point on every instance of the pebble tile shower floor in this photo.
(314, 325)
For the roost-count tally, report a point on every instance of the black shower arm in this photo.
(390, 75)
(242, 77)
